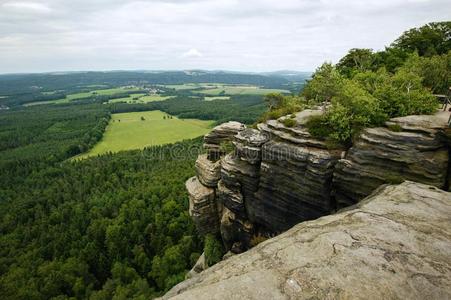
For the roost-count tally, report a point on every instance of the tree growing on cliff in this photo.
(213, 249)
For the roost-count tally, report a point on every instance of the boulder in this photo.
(410, 149)
(208, 172)
(203, 208)
(393, 245)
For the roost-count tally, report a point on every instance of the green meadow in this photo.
(140, 98)
(211, 98)
(137, 130)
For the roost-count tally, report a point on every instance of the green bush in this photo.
(289, 122)
(395, 127)
(213, 250)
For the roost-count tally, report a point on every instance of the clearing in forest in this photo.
(137, 130)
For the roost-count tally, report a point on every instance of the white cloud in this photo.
(247, 35)
(26, 6)
(192, 53)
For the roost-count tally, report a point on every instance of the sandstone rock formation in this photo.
(278, 176)
(202, 206)
(409, 149)
(205, 208)
(395, 244)
(220, 134)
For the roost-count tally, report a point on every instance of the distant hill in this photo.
(294, 76)
(26, 83)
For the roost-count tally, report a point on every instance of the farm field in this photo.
(229, 89)
(142, 98)
(211, 98)
(128, 131)
(81, 95)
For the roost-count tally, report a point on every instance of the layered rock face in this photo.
(278, 176)
(295, 176)
(395, 244)
(205, 205)
(410, 148)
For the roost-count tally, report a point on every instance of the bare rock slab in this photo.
(395, 244)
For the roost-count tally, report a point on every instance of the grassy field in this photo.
(208, 98)
(128, 131)
(142, 98)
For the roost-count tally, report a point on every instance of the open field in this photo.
(81, 95)
(128, 131)
(208, 98)
(142, 98)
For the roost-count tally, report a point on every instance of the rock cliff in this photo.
(278, 176)
(395, 244)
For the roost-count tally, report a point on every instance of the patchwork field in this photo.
(215, 89)
(81, 95)
(137, 130)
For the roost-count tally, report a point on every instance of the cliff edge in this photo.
(394, 244)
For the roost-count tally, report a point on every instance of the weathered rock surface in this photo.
(248, 145)
(396, 244)
(294, 186)
(298, 134)
(380, 156)
(295, 176)
(236, 231)
(208, 172)
(202, 206)
(219, 134)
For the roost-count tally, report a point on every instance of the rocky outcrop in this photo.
(295, 176)
(279, 175)
(220, 134)
(205, 206)
(395, 244)
(202, 206)
(410, 148)
(208, 172)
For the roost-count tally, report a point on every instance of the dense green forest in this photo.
(116, 225)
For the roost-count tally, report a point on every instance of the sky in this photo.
(239, 35)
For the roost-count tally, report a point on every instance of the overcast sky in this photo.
(242, 35)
